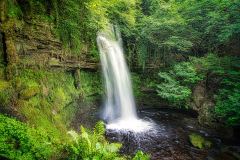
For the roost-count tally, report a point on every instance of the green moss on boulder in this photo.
(199, 141)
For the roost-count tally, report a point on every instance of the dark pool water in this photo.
(170, 138)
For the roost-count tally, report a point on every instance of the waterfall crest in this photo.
(120, 109)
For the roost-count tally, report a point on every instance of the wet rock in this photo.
(203, 103)
(226, 153)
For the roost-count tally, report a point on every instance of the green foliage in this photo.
(176, 84)
(3, 85)
(141, 83)
(214, 22)
(137, 83)
(93, 145)
(91, 85)
(99, 128)
(141, 156)
(199, 141)
(186, 73)
(166, 28)
(119, 12)
(72, 21)
(171, 89)
(227, 105)
(19, 141)
(48, 100)
(13, 9)
(228, 96)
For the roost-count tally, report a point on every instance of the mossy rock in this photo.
(29, 92)
(199, 141)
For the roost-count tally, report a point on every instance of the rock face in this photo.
(36, 45)
(203, 103)
(36, 41)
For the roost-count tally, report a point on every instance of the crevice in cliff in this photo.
(4, 48)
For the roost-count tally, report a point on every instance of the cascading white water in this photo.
(120, 110)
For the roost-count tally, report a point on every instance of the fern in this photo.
(141, 156)
(99, 128)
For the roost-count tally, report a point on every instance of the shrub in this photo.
(176, 84)
(19, 141)
(171, 89)
(186, 73)
(141, 156)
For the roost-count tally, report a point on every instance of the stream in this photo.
(169, 139)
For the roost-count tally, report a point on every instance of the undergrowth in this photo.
(20, 141)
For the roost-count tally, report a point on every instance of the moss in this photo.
(60, 98)
(29, 92)
(3, 85)
(11, 50)
(11, 71)
(91, 85)
(47, 99)
(40, 117)
(199, 141)
(6, 93)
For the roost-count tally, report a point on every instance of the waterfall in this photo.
(120, 109)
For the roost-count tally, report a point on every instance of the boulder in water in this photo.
(199, 141)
